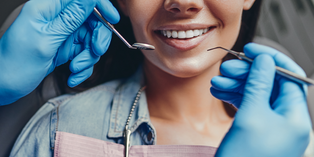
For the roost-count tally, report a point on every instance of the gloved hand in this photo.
(47, 34)
(272, 118)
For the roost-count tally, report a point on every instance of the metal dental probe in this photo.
(281, 71)
(141, 46)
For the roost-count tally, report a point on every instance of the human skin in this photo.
(178, 71)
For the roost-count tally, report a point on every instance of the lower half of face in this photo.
(182, 42)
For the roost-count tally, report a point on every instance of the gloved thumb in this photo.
(258, 87)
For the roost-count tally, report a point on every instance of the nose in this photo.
(184, 7)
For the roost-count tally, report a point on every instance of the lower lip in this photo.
(184, 44)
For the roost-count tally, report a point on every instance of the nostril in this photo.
(192, 10)
(183, 7)
(175, 10)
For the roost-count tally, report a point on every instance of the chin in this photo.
(188, 70)
(185, 74)
(184, 64)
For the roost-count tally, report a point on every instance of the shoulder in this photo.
(96, 99)
(103, 93)
(71, 113)
(87, 113)
(106, 89)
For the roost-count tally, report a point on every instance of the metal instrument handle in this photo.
(111, 27)
(284, 72)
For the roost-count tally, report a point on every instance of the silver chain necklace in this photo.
(127, 131)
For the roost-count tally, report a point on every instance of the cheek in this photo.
(229, 13)
(141, 12)
(226, 10)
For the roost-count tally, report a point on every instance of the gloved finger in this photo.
(229, 97)
(291, 103)
(252, 50)
(259, 84)
(82, 40)
(108, 11)
(72, 16)
(101, 36)
(101, 39)
(77, 78)
(228, 84)
(74, 44)
(235, 68)
(82, 61)
(92, 21)
(64, 52)
(291, 99)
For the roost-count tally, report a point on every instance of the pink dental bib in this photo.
(72, 145)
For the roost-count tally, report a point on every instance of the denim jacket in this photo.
(100, 113)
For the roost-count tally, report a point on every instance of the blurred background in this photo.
(287, 25)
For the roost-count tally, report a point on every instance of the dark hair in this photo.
(121, 62)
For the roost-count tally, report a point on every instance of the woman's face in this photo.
(183, 30)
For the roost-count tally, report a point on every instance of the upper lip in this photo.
(183, 27)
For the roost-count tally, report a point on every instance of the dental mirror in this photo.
(143, 46)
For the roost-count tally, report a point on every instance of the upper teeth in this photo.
(184, 34)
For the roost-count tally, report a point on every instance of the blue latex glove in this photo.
(47, 34)
(272, 118)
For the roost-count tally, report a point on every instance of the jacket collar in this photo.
(122, 103)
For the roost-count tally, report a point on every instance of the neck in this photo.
(186, 100)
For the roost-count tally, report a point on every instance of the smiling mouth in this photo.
(184, 34)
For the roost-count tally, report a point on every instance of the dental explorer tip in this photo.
(218, 47)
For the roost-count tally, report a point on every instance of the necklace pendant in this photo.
(127, 134)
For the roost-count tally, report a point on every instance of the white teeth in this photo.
(169, 34)
(174, 34)
(201, 31)
(184, 34)
(205, 30)
(189, 34)
(181, 34)
(196, 32)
